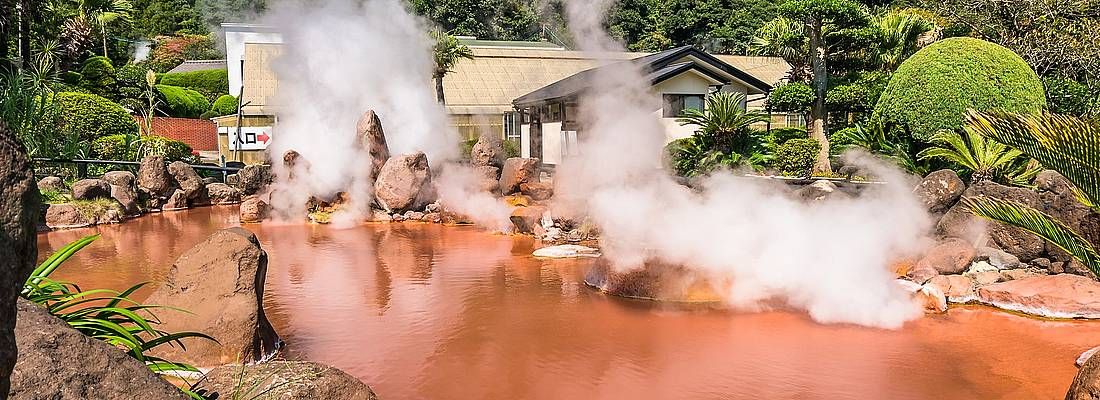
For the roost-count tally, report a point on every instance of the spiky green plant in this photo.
(104, 314)
(875, 140)
(446, 52)
(1066, 144)
(979, 156)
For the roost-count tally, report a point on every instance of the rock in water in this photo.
(405, 183)
(177, 201)
(254, 209)
(527, 219)
(90, 189)
(58, 362)
(487, 152)
(52, 184)
(122, 190)
(19, 207)
(253, 178)
(153, 176)
(940, 190)
(62, 216)
(370, 134)
(820, 190)
(221, 283)
(186, 178)
(957, 288)
(1055, 296)
(517, 171)
(1086, 385)
(566, 251)
(221, 193)
(1085, 356)
(951, 256)
(287, 380)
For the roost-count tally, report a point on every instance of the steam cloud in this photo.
(830, 258)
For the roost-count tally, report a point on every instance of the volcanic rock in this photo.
(120, 178)
(527, 219)
(287, 380)
(127, 197)
(959, 223)
(819, 190)
(957, 288)
(517, 171)
(52, 184)
(186, 178)
(1041, 263)
(1013, 274)
(654, 280)
(380, 216)
(981, 266)
(987, 277)
(1086, 384)
(58, 362)
(405, 183)
(253, 209)
(370, 134)
(254, 178)
(433, 217)
(1055, 296)
(177, 201)
(922, 274)
(487, 152)
(932, 299)
(220, 282)
(62, 216)
(488, 178)
(1059, 199)
(951, 256)
(221, 193)
(939, 190)
(153, 176)
(998, 258)
(538, 191)
(1085, 356)
(19, 211)
(90, 189)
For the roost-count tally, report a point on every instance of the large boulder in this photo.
(90, 189)
(62, 216)
(19, 209)
(52, 184)
(177, 201)
(58, 362)
(516, 172)
(220, 282)
(221, 193)
(370, 134)
(254, 209)
(820, 190)
(288, 380)
(1086, 384)
(186, 178)
(153, 177)
(254, 178)
(538, 191)
(958, 288)
(654, 280)
(120, 178)
(488, 151)
(127, 198)
(960, 223)
(488, 178)
(1055, 296)
(950, 256)
(939, 190)
(527, 219)
(405, 183)
(1059, 199)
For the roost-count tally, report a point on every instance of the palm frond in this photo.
(1039, 223)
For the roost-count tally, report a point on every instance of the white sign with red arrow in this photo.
(250, 138)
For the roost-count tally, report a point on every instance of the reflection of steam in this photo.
(830, 258)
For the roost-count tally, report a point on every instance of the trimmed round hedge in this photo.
(791, 97)
(796, 156)
(128, 147)
(935, 86)
(183, 102)
(92, 117)
(212, 81)
(225, 105)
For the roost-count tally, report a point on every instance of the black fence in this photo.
(80, 169)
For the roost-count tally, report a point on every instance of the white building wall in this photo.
(236, 36)
(551, 142)
(525, 140)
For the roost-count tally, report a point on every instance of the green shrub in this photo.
(1066, 96)
(90, 117)
(182, 102)
(796, 156)
(225, 105)
(130, 75)
(511, 148)
(71, 78)
(115, 147)
(53, 197)
(791, 97)
(98, 76)
(935, 86)
(782, 135)
(172, 150)
(214, 81)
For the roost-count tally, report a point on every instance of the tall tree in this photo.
(816, 16)
(447, 51)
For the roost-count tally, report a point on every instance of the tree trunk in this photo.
(24, 34)
(103, 31)
(439, 89)
(816, 123)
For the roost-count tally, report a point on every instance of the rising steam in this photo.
(830, 258)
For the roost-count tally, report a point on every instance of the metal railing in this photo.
(82, 166)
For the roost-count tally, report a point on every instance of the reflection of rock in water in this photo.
(655, 281)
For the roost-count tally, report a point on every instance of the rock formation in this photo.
(1056, 296)
(90, 189)
(19, 208)
(369, 132)
(59, 363)
(221, 193)
(253, 178)
(52, 183)
(153, 177)
(221, 283)
(287, 380)
(405, 183)
(122, 190)
(655, 280)
(516, 172)
(254, 209)
(528, 220)
(186, 179)
(487, 152)
(940, 190)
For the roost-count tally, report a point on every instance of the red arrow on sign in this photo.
(263, 137)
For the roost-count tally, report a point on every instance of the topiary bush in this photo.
(134, 147)
(224, 105)
(791, 97)
(796, 156)
(92, 117)
(182, 102)
(935, 86)
(212, 81)
(97, 75)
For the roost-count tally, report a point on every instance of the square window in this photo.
(675, 104)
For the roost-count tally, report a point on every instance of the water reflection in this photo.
(428, 312)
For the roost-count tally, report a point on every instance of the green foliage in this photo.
(214, 81)
(932, 89)
(511, 148)
(182, 102)
(796, 156)
(977, 156)
(154, 18)
(792, 97)
(171, 150)
(169, 52)
(115, 147)
(874, 139)
(98, 76)
(71, 78)
(839, 12)
(104, 314)
(224, 105)
(88, 117)
(28, 111)
(724, 138)
(898, 33)
(1066, 96)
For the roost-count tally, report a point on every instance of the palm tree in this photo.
(785, 38)
(447, 51)
(900, 33)
(984, 158)
(103, 13)
(1066, 144)
(724, 134)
